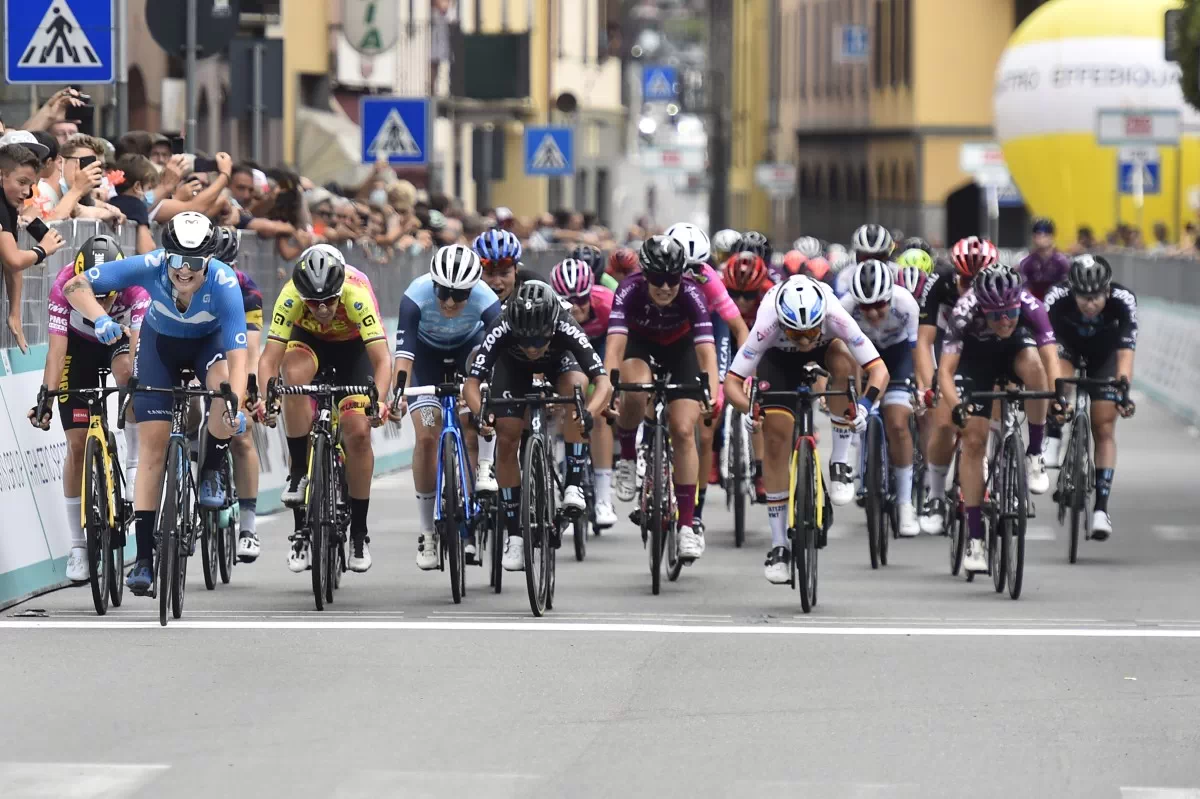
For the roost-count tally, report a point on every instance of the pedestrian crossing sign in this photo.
(549, 151)
(659, 83)
(59, 41)
(395, 129)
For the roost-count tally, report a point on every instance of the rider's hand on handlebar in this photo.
(959, 415)
(1127, 408)
(40, 421)
(381, 414)
(398, 411)
(1061, 410)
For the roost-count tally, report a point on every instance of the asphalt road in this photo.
(905, 682)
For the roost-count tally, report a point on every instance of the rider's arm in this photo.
(56, 358)
(472, 395)
(269, 361)
(253, 350)
(577, 342)
(227, 302)
(706, 355)
(946, 373)
(618, 331)
(738, 329)
(80, 291)
(381, 364)
(482, 362)
(923, 355)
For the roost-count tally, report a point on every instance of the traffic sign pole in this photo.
(190, 59)
(121, 23)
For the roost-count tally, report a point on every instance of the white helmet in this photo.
(872, 239)
(840, 260)
(693, 240)
(809, 246)
(455, 267)
(872, 282)
(725, 240)
(800, 303)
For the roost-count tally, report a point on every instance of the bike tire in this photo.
(671, 518)
(190, 523)
(1016, 518)
(210, 547)
(97, 534)
(1080, 430)
(116, 541)
(658, 516)
(804, 530)
(876, 526)
(314, 516)
(227, 542)
(169, 524)
(535, 526)
(998, 538)
(956, 522)
(738, 477)
(341, 512)
(451, 536)
(495, 542)
(919, 467)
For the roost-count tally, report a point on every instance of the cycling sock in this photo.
(604, 485)
(777, 516)
(74, 522)
(1053, 429)
(935, 480)
(700, 496)
(842, 437)
(358, 517)
(425, 510)
(297, 455)
(510, 501)
(903, 477)
(487, 449)
(577, 455)
(248, 513)
(685, 500)
(758, 470)
(628, 439)
(975, 522)
(1104, 478)
(298, 518)
(1036, 433)
(214, 451)
(131, 458)
(144, 528)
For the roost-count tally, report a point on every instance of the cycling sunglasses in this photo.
(497, 264)
(582, 301)
(1002, 314)
(876, 306)
(533, 342)
(743, 295)
(322, 304)
(660, 279)
(193, 263)
(802, 335)
(454, 295)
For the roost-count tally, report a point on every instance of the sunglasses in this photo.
(585, 300)
(533, 342)
(497, 264)
(193, 263)
(875, 306)
(1092, 297)
(745, 296)
(1002, 315)
(660, 279)
(322, 306)
(802, 335)
(454, 295)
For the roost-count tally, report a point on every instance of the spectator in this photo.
(33, 206)
(504, 218)
(135, 176)
(55, 110)
(1085, 240)
(544, 234)
(87, 153)
(1161, 238)
(1187, 241)
(160, 150)
(63, 130)
(136, 142)
(19, 167)
(2, 128)
(288, 207)
(191, 195)
(46, 193)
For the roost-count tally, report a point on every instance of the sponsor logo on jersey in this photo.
(288, 303)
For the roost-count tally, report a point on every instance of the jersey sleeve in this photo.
(911, 311)
(931, 302)
(407, 324)
(139, 306)
(364, 312)
(719, 301)
(227, 301)
(843, 326)
(616, 318)
(1054, 295)
(574, 339)
(488, 351)
(59, 308)
(138, 270)
(1035, 317)
(697, 312)
(491, 313)
(1127, 329)
(252, 301)
(287, 310)
(763, 335)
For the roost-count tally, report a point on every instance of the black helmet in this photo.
(591, 256)
(226, 249)
(1090, 274)
(189, 233)
(757, 243)
(532, 312)
(320, 273)
(662, 254)
(916, 243)
(95, 251)
(1043, 225)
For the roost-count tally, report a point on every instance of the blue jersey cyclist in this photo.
(196, 321)
(443, 316)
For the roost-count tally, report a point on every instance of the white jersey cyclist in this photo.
(895, 334)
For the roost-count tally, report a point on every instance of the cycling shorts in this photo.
(679, 357)
(1100, 365)
(898, 359)
(513, 378)
(432, 366)
(159, 361)
(342, 362)
(989, 363)
(783, 370)
(81, 369)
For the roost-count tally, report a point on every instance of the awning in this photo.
(329, 147)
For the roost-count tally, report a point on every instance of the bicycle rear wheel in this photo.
(876, 525)
(227, 541)
(187, 536)
(919, 466)
(738, 477)
(116, 539)
(450, 535)
(658, 510)
(334, 532)
(804, 529)
(97, 533)
(1080, 433)
(956, 522)
(536, 523)
(315, 516)
(1015, 518)
(210, 547)
(998, 536)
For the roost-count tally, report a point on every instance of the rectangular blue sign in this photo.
(1151, 177)
(660, 83)
(396, 129)
(550, 151)
(59, 41)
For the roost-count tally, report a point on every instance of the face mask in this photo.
(149, 199)
(62, 186)
(378, 197)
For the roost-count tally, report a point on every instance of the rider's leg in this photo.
(1104, 423)
(684, 416)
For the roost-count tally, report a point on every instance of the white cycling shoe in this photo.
(514, 554)
(1035, 470)
(976, 559)
(485, 478)
(778, 567)
(931, 523)
(298, 555)
(77, 566)
(1052, 452)
(573, 499)
(605, 515)
(623, 481)
(360, 556)
(841, 484)
(427, 552)
(1101, 526)
(691, 543)
(909, 527)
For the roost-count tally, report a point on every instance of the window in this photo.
(881, 189)
(910, 182)
(895, 182)
(817, 187)
(877, 44)
(805, 183)
(581, 190)
(864, 184)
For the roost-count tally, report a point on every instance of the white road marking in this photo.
(1177, 532)
(74, 780)
(1160, 793)
(590, 627)
(369, 784)
(1040, 532)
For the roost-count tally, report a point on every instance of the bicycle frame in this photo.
(452, 428)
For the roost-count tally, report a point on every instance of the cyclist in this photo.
(760, 245)
(887, 314)
(801, 322)
(73, 361)
(326, 319)
(622, 263)
(500, 254)
(912, 278)
(1095, 319)
(747, 281)
(591, 306)
(917, 243)
(195, 321)
(998, 331)
(1045, 266)
(809, 246)
(661, 314)
(969, 256)
(595, 260)
(870, 242)
(535, 335)
(918, 258)
(443, 316)
(724, 242)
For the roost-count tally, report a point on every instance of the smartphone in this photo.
(205, 165)
(176, 145)
(38, 229)
(85, 116)
(86, 161)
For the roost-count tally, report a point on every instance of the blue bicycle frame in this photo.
(452, 428)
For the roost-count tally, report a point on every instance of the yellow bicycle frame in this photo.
(816, 466)
(96, 432)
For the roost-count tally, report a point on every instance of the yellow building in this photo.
(749, 207)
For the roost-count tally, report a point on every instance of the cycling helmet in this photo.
(572, 278)
(455, 267)
(693, 240)
(998, 287)
(589, 255)
(917, 243)
(1090, 274)
(757, 243)
(320, 273)
(497, 245)
(189, 233)
(872, 282)
(972, 254)
(872, 240)
(744, 271)
(532, 312)
(840, 260)
(800, 303)
(622, 263)
(725, 240)
(662, 254)
(911, 278)
(809, 246)
(96, 251)
(794, 261)
(835, 249)
(226, 248)
(915, 256)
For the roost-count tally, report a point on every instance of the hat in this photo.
(1043, 225)
(503, 214)
(25, 139)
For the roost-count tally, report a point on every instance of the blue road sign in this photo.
(660, 84)
(856, 42)
(59, 41)
(1151, 177)
(550, 151)
(395, 128)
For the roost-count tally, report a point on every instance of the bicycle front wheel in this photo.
(98, 534)
(1015, 513)
(227, 540)
(536, 522)
(450, 535)
(873, 485)
(804, 529)
(738, 477)
(209, 547)
(316, 512)
(1077, 463)
(172, 521)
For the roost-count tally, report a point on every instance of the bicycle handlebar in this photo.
(543, 396)
(700, 387)
(276, 390)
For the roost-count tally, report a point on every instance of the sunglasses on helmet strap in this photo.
(193, 263)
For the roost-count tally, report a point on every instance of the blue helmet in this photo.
(497, 245)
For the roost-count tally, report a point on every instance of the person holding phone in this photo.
(18, 173)
(83, 154)
(190, 196)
